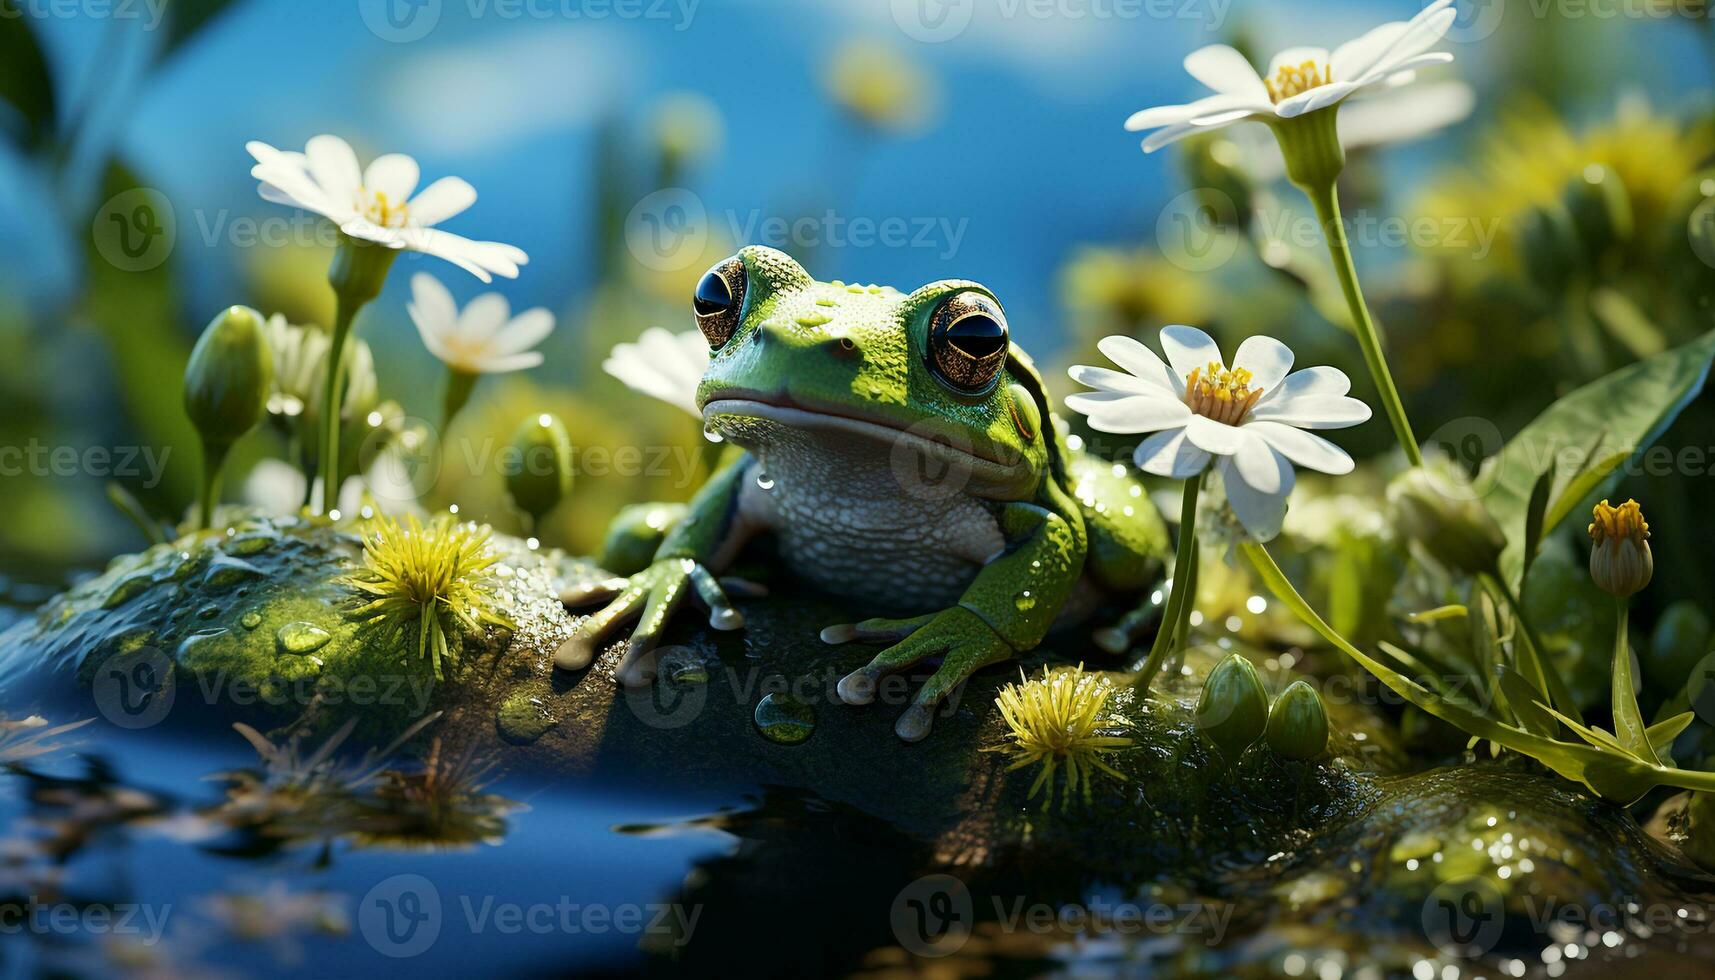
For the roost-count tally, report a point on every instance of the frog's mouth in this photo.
(992, 469)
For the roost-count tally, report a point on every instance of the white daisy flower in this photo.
(1248, 419)
(375, 203)
(483, 339)
(663, 365)
(1300, 80)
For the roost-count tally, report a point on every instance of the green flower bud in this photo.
(542, 470)
(229, 377)
(1680, 640)
(1298, 724)
(1600, 209)
(1620, 559)
(1436, 506)
(1233, 709)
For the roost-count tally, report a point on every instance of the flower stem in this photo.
(1170, 632)
(1327, 202)
(1628, 719)
(358, 272)
(213, 458)
(457, 395)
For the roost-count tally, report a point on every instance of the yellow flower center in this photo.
(1619, 523)
(1290, 80)
(1217, 393)
(377, 208)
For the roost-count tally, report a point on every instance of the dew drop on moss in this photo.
(302, 638)
(250, 620)
(784, 719)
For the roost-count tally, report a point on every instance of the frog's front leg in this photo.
(1007, 610)
(712, 532)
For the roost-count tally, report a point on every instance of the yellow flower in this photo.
(1057, 720)
(877, 85)
(1620, 559)
(425, 579)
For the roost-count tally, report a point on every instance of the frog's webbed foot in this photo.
(651, 597)
(963, 640)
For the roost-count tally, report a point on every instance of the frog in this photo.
(905, 456)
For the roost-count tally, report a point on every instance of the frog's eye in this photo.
(967, 342)
(719, 301)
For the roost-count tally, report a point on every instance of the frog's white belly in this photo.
(855, 522)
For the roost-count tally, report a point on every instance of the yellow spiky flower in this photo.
(427, 579)
(1620, 559)
(1060, 719)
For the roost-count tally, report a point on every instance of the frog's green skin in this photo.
(966, 514)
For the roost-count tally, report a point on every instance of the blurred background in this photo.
(1534, 234)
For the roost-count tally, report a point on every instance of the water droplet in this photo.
(711, 435)
(684, 667)
(784, 719)
(187, 650)
(1024, 601)
(302, 638)
(764, 481)
(250, 620)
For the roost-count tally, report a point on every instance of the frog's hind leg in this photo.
(635, 534)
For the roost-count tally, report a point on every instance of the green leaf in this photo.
(26, 84)
(1524, 700)
(1612, 776)
(1633, 406)
(1535, 513)
(1662, 733)
(1584, 485)
(1628, 719)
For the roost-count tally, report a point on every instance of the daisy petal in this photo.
(334, 166)
(432, 302)
(1127, 414)
(1167, 136)
(441, 200)
(1265, 358)
(1141, 362)
(1260, 513)
(1188, 349)
(1310, 100)
(483, 317)
(1255, 462)
(1107, 379)
(1356, 57)
(510, 362)
(1303, 448)
(1214, 437)
(392, 174)
(1406, 70)
(1224, 69)
(1160, 115)
(526, 330)
(1171, 455)
(1319, 381)
(1314, 412)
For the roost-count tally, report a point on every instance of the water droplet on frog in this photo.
(1024, 601)
(302, 638)
(711, 435)
(764, 481)
(784, 719)
(250, 620)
